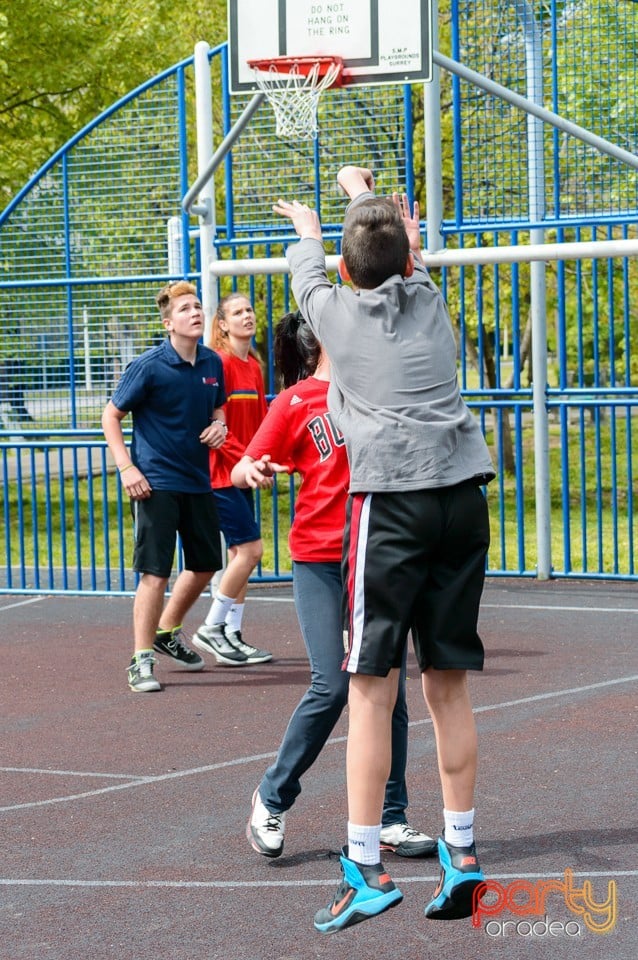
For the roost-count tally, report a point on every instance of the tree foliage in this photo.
(64, 61)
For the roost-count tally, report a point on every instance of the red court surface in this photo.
(122, 815)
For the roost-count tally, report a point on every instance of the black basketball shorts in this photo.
(415, 561)
(161, 517)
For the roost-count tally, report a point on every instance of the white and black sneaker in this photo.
(171, 644)
(252, 654)
(265, 830)
(405, 841)
(213, 640)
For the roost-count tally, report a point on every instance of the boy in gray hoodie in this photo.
(417, 527)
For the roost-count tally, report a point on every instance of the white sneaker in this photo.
(407, 842)
(252, 654)
(265, 830)
(213, 640)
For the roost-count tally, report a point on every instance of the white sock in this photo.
(234, 616)
(363, 843)
(219, 609)
(459, 828)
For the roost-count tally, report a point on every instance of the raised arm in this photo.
(355, 180)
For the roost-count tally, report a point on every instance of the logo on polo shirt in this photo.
(210, 381)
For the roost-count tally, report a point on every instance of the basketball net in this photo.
(293, 88)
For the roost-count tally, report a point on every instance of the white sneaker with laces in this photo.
(265, 830)
(212, 639)
(252, 654)
(403, 840)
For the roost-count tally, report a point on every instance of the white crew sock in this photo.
(234, 616)
(219, 609)
(459, 827)
(363, 843)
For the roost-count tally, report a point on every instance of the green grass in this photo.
(591, 528)
(56, 526)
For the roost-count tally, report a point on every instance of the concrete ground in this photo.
(122, 815)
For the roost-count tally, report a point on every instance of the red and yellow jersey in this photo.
(299, 433)
(245, 409)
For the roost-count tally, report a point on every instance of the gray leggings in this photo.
(318, 599)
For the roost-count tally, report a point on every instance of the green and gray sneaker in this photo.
(140, 673)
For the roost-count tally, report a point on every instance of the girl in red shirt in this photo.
(234, 327)
(298, 434)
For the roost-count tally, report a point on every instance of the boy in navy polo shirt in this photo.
(175, 393)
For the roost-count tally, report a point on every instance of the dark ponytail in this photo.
(297, 350)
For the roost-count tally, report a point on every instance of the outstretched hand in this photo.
(259, 474)
(304, 220)
(411, 221)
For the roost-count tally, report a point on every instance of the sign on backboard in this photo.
(379, 41)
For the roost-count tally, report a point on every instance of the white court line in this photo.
(487, 606)
(549, 607)
(75, 773)
(21, 603)
(240, 761)
(262, 884)
(552, 608)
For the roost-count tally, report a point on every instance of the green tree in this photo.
(64, 61)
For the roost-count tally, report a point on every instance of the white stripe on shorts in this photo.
(357, 599)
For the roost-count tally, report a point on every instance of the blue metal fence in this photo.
(85, 245)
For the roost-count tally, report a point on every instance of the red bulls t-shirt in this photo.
(298, 432)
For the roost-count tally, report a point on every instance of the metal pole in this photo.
(207, 226)
(538, 285)
(433, 161)
(88, 378)
(174, 245)
(450, 257)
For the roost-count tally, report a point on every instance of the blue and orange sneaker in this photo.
(460, 876)
(364, 892)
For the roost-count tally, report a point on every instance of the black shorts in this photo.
(414, 561)
(161, 517)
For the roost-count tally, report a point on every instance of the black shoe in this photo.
(364, 892)
(171, 644)
(458, 890)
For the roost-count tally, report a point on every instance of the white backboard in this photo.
(379, 41)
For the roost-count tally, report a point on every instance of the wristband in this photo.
(127, 467)
(224, 425)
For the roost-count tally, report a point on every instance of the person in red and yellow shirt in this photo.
(234, 327)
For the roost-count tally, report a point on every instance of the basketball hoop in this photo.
(293, 86)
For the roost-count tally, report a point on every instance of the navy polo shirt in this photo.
(171, 402)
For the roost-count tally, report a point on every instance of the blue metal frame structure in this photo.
(66, 528)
